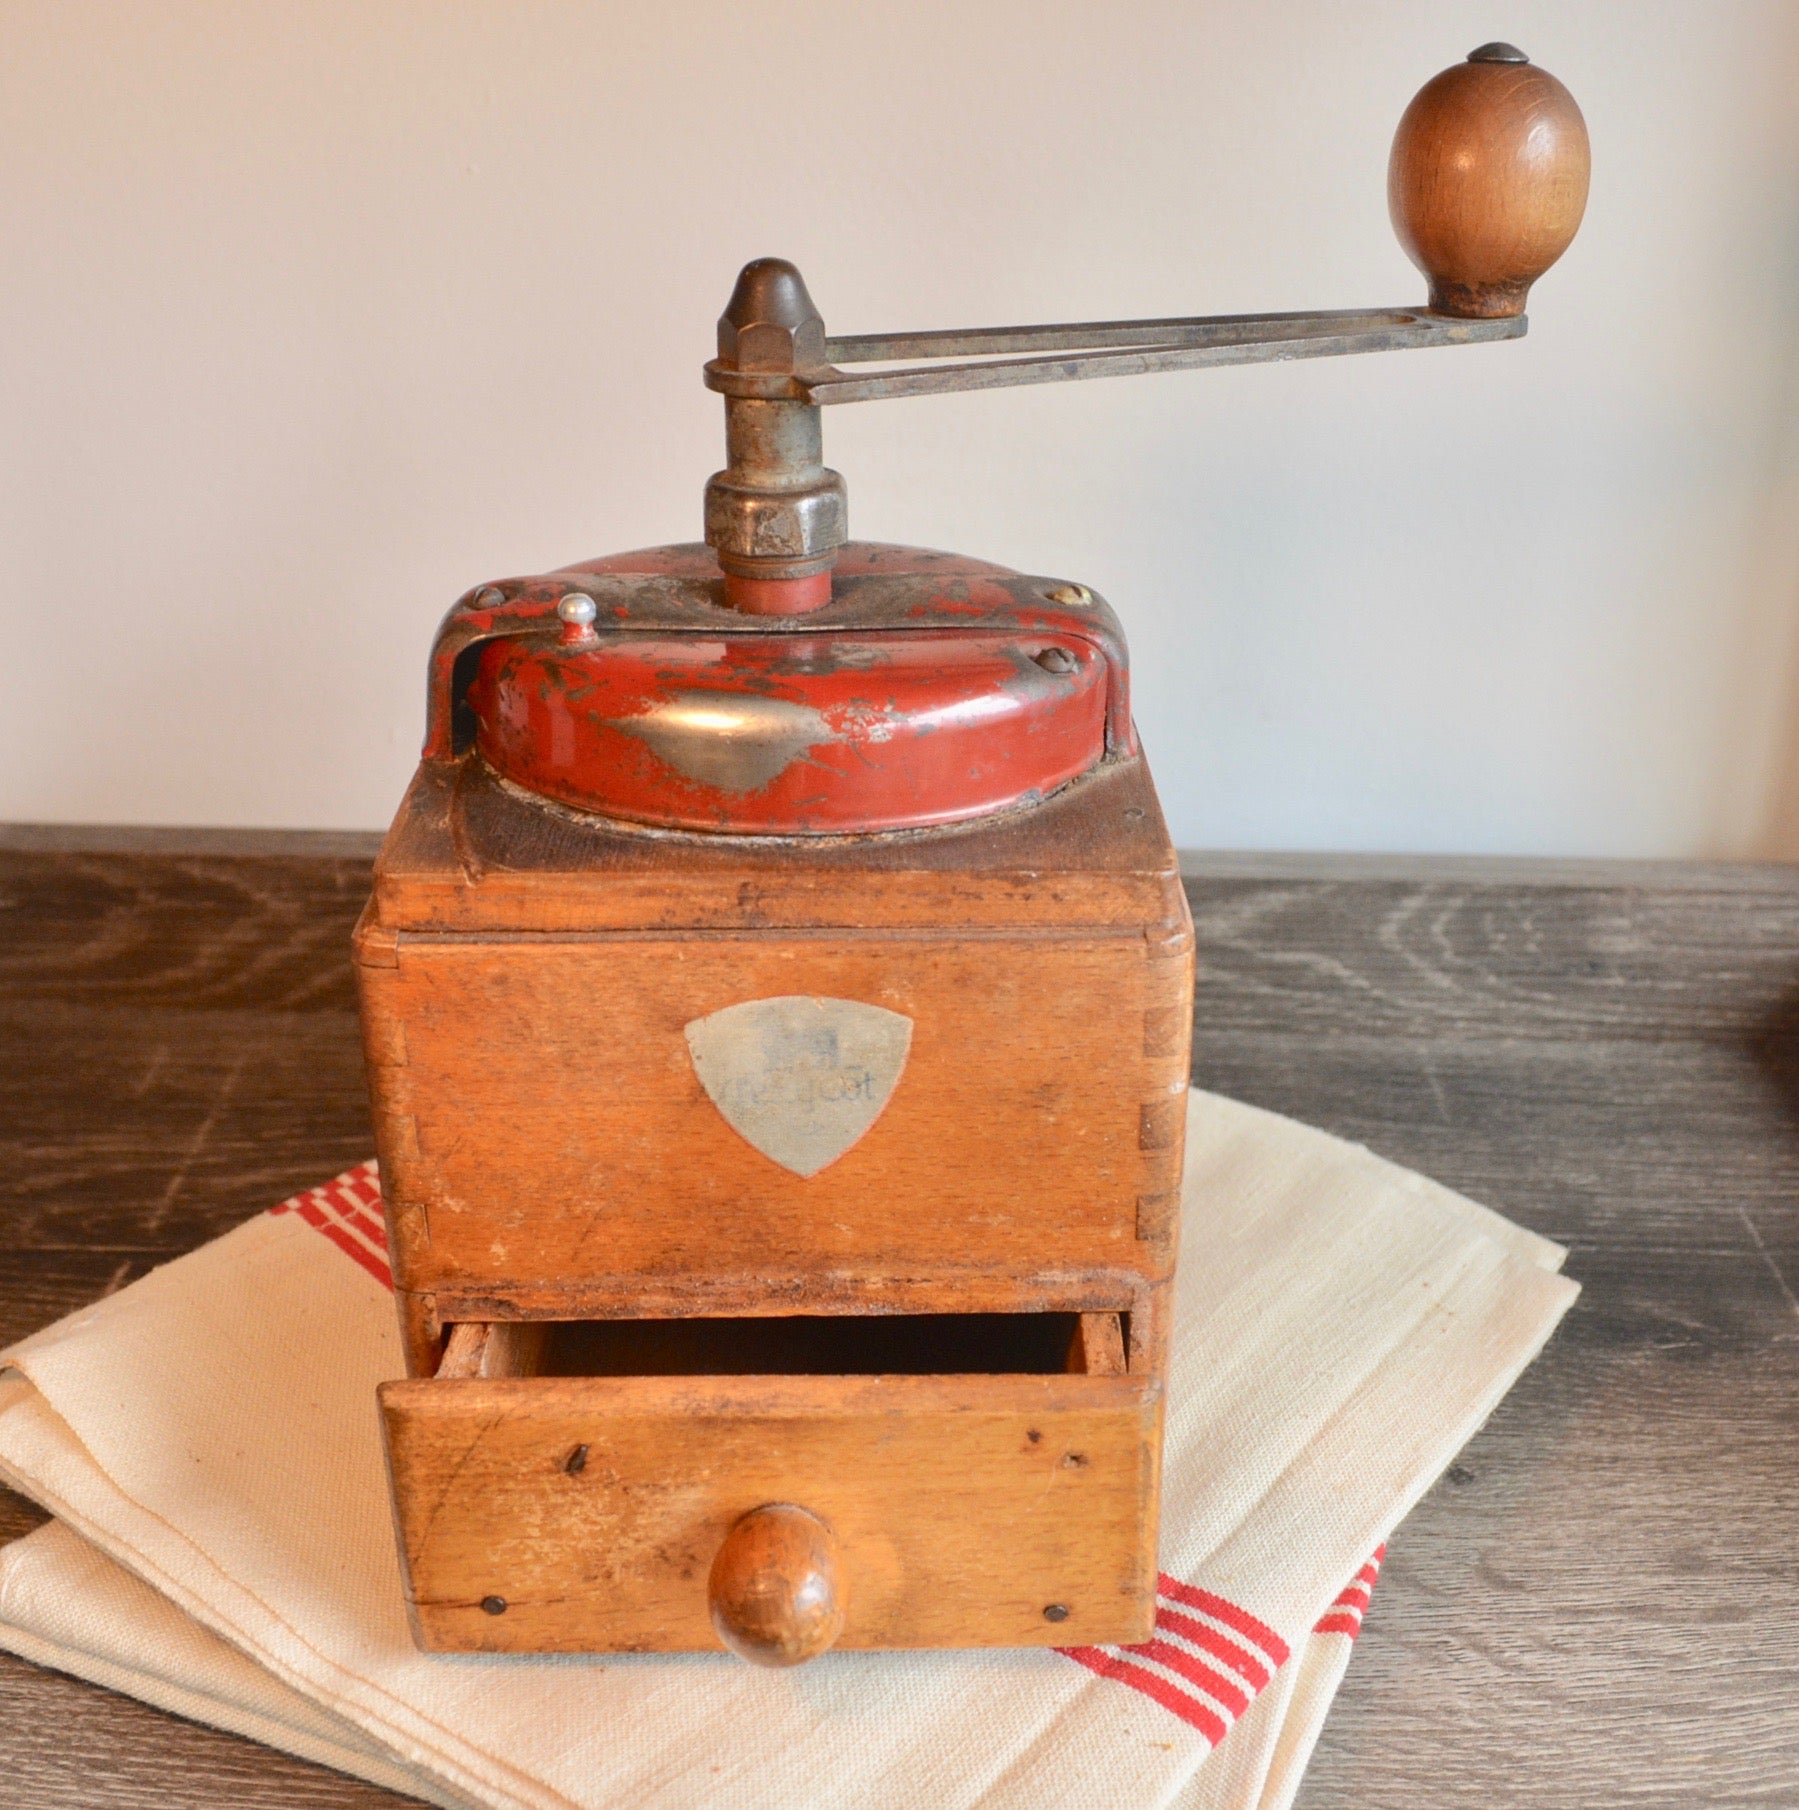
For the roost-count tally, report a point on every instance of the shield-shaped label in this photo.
(800, 1078)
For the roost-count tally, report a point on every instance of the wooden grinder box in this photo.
(944, 1340)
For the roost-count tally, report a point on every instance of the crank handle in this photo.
(1486, 185)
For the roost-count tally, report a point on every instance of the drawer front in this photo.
(544, 1120)
(582, 1514)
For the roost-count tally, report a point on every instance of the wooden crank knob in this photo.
(1488, 180)
(775, 1591)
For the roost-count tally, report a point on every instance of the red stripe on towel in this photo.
(365, 1222)
(1344, 1616)
(1241, 1620)
(1154, 1686)
(339, 1211)
(1181, 1646)
(346, 1241)
(1195, 1671)
(1147, 1668)
(1239, 1659)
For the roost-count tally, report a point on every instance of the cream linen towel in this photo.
(1342, 1328)
(65, 1604)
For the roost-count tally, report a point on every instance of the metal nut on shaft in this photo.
(775, 516)
(775, 511)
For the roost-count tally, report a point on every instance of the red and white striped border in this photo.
(1208, 1659)
(1344, 1616)
(347, 1210)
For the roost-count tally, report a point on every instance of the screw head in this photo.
(1070, 596)
(1057, 660)
(489, 597)
(1055, 1611)
(494, 1605)
(1496, 52)
(577, 607)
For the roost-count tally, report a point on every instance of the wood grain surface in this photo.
(775, 1587)
(963, 1505)
(527, 1089)
(547, 1088)
(1598, 1605)
(1488, 180)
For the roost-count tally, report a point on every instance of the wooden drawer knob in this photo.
(1488, 180)
(775, 1592)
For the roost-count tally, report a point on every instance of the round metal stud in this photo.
(578, 608)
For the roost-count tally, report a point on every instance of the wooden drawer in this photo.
(582, 1513)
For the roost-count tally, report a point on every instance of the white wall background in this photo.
(314, 314)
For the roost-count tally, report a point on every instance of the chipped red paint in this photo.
(801, 735)
(931, 690)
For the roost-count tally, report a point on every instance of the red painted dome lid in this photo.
(931, 689)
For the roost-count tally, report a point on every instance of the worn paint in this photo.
(729, 742)
(914, 698)
(796, 736)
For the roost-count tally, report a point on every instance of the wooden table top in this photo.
(1598, 1605)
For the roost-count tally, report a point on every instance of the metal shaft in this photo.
(776, 515)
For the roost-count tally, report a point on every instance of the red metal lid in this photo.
(929, 690)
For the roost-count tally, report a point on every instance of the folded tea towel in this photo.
(1342, 1327)
(64, 1604)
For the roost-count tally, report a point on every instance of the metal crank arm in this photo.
(1486, 185)
(1070, 354)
